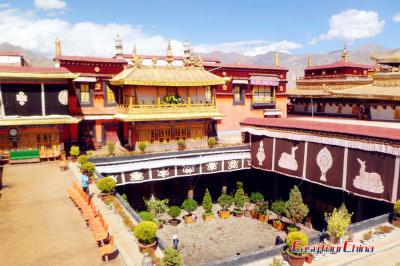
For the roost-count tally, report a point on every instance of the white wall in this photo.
(383, 114)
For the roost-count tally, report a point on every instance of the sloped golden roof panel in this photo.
(39, 120)
(370, 91)
(307, 93)
(166, 76)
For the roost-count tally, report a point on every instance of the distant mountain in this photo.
(36, 59)
(297, 62)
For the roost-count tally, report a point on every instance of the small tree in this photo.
(225, 201)
(295, 209)
(239, 197)
(106, 184)
(171, 258)
(207, 202)
(142, 146)
(181, 144)
(278, 207)
(110, 147)
(256, 197)
(156, 206)
(211, 142)
(74, 151)
(146, 216)
(174, 211)
(83, 159)
(299, 238)
(145, 232)
(396, 208)
(338, 221)
(189, 205)
(88, 168)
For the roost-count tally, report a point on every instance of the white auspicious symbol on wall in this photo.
(248, 162)
(21, 98)
(136, 176)
(233, 164)
(188, 169)
(63, 97)
(371, 182)
(324, 162)
(288, 160)
(163, 172)
(212, 166)
(260, 153)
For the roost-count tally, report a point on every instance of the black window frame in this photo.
(242, 88)
(91, 88)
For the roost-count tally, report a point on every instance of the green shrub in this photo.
(181, 143)
(156, 206)
(171, 258)
(338, 221)
(256, 197)
(124, 197)
(145, 232)
(291, 228)
(110, 147)
(142, 146)
(106, 184)
(207, 202)
(211, 142)
(239, 197)
(83, 159)
(396, 208)
(174, 211)
(74, 151)
(189, 205)
(225, 201)
(263, 207)
(276, 262)
(278, 207)
(88, 168)
(295, 209)
(146, 216)
(299, 238)
(89, 153)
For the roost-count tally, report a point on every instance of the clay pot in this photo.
(224, 214)
(295, 260)
(188, 219)
(73, 159)
(309, 258)
(174, 222)
(247, 213)
(396, 221)
(263, 218)
(208, 217)
(151, 248)
(255, 214)
(278, 225)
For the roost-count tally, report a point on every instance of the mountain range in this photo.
(294, 62)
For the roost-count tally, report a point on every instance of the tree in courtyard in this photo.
(295, 209)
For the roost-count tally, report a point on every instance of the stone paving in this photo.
(39, 225)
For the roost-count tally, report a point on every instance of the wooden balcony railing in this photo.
(165, 108)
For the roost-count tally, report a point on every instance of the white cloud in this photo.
(4, 5)
(51, 4)
(26, 29)
(396, 18)
(250, 48)
(352, 24)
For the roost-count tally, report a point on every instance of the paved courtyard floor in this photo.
(39, 225)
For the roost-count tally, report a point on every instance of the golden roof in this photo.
(11, 72)
(166, 76)
(307, 93)
(393, 58)
(38, 120)
(370, 91)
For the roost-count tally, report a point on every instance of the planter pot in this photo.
(151, 248)
(188, 219)
(255, 214)
(278, 225)
(295, 260)
(247, 214)
(309, 258)
(237, 213)
(174, 222)
(224, 214)
(181, 148)
(263, 218)
(73, 159)
(396, 221)
(208, 217)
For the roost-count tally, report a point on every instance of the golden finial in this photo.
(199, 62)
(118, 45)
(276, 59)
(170, 57)
(309, 61)
(135, 58)
(57, 47)
(154, 61)
(345, 54)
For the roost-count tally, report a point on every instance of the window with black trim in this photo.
(84, 96)
(263, 94)
(238, 94)
(109, 95)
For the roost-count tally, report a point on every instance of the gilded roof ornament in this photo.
(345, 53)
(170, 56)
(309, 61)
(276, 59)
(136, 60)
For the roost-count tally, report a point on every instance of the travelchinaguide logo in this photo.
(347, 246)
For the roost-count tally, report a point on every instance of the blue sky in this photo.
(248, 27)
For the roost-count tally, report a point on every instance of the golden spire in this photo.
(309, 61)
(118, 45)
(57, 47)
(170, 57)
(345, 53)
(135, 58)
(276, 59)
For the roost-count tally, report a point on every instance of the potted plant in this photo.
(211, 142)
(74, 152)
(367, 236)
(256, 198)
(174, 211)
(291, 228)
(142, 146)
(82, 159)
(88, 169)
(156, 207)
(145, 232)
(207, 206)
(396, 213)
(106, 185)
(225, 201)
(294, 241)
(146, 216)
(338, 221)
(189, 205)
(295, 209)
(263, 211)
(239, 200)
(110, 148)
(278, 207)
(171, 258)
(181, 144)
(309, 258)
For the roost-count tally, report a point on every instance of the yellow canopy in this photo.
(168, 116)
(38, 120)
(166, 76)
